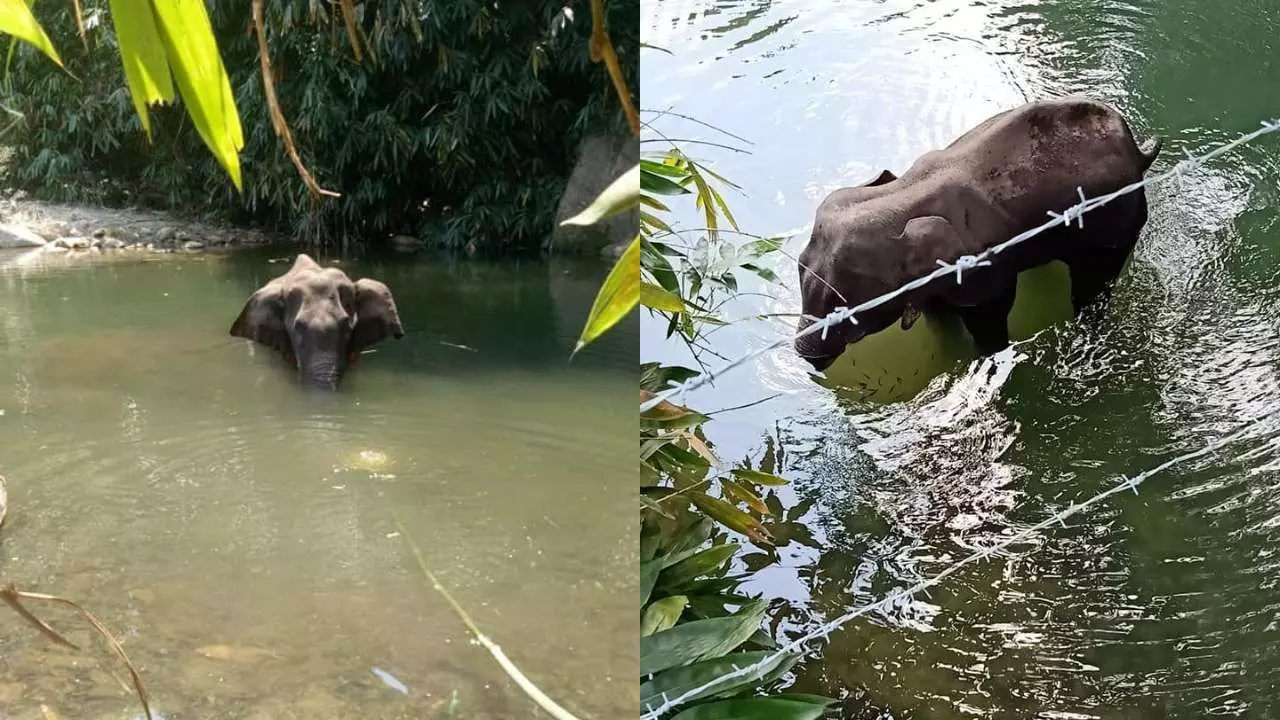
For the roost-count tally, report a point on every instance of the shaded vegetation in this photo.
(458, 124)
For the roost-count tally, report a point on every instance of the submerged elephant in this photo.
(319, 319)
(995, 181)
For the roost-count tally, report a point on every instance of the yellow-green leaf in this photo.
(666, 415)
(746, 496)
(655, 297)
(621, 195)
(757, 477)
(206, 91)
(732, 518)
(662, 614)
(618, 295)
(16, 20)
(146, 69)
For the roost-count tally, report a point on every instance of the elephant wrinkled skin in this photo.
(319, 319)
(995, 181)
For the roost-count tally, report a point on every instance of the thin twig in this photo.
(673, 141)
(690, 118)
(509, 667)
(12, 597)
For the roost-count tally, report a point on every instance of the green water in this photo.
(1160, 605)
(181, 486)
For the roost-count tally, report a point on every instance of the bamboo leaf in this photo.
(617, 296)
(662, 614)
(657, 298)
(699, 640)
(16, 20)
(621, 195)
(732, 518)
(757, 477)
(146, 69)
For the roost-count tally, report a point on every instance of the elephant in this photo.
(319, 320)
(990, 184)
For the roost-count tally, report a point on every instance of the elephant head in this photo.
(849, 271)
(319, 320)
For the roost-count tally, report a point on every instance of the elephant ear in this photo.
(926, 240)
(376, 315)
(262, 319)
(883, 178)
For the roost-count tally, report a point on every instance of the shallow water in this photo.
(1160, 605)
(178, 484)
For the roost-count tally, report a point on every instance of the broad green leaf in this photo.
(653, 183)
(206, 91)
(689, 539)
(16, 20)
(699, 640)
(146, 70)
(731, 517)
(754, 708)
(744, 495)
(662, 614)
(757, 477)
(655, 297)
(658, 266)
(621, 195)
(695, 566)
(618, 295)
(648, 576)
(651, 504)
(678, 681)
(664, 169)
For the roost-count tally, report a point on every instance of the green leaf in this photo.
(621, 195)
(655, 297)
(754, 708)
(744, 495)
(146, 69)
(648, 576)
(654, 183)
(16, 20)
(757, 477)
(618, 295)
(662, 614)
(695, 566)
(666, 415)
(661, 168)
(206, 91)
(731, 517)
(656, 376)
(699, 640)
(678, 681)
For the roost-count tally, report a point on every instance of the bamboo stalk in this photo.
(535, 694)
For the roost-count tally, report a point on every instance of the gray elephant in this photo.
(319, 319)
(995, 181)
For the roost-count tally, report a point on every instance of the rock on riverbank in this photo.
(70, 228)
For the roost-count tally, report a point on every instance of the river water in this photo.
(1162, 604)
(239, 535)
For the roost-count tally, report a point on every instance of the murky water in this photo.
(1160, 605)
(182, 488)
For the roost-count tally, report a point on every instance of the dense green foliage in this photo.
(458, 125)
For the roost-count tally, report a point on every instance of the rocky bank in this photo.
(52, 228)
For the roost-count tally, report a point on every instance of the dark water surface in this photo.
(177, 482)
(1160, 605)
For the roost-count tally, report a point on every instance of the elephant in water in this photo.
(994, 182)
(319, 319)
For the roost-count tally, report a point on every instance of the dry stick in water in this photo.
(509, 667)
(12, 597)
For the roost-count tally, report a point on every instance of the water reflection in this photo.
(182, 486)
(1150, 606)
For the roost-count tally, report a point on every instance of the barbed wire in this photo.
(1075, 213)
(823, 631)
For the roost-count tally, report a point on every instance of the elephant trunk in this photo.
(813, 347)
(324, 373)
